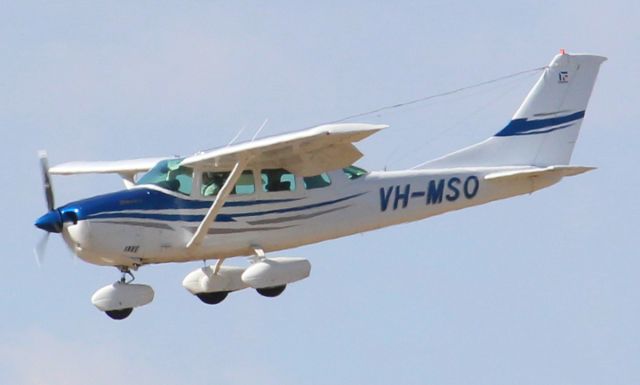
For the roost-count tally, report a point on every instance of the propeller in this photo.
(46, 180)
(41, 248)
(48, 222)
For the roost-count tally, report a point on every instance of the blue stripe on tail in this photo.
(524, 126)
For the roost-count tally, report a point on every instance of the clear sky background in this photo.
(540, 289)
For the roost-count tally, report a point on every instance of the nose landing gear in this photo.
(120, 298)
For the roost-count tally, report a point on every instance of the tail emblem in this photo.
(563, 77)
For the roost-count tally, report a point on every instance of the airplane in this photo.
(254, 198)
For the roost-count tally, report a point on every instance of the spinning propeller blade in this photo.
(41, 248)
(50, 224)
(46, 180)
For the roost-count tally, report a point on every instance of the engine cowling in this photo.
(278, 271)
(204, 280)
(119, 296)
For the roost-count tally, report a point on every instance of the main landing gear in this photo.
(269, 276)
(120, 298)
(211, 284)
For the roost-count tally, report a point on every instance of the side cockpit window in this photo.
(316, 181)
(213, 181)
(277, 179)
(353, 172)
(168, 174)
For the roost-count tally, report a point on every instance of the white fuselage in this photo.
(279, 220)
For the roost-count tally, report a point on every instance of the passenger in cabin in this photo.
(274, 180)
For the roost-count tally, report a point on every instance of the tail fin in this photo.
(545, 128)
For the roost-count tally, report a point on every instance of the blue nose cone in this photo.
(50, 222)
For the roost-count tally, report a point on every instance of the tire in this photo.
(119, 314)
(273, 291)
(212, 298)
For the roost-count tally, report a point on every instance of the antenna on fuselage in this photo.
(266, 120)
(237, 135)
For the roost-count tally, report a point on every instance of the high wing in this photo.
(307, 152)
(127, 169)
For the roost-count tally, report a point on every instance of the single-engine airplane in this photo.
(254, 198)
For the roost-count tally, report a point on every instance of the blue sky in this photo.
(537, 289)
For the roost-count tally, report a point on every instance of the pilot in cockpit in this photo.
(212, 182)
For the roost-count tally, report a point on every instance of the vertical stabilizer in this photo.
(544, 129)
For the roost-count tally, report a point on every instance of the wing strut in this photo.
(224, 192)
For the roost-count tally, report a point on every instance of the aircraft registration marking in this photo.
(435, 192)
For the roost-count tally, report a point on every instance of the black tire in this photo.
(212, 298)
(120, 313)
(273, 291)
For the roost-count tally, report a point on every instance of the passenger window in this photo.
(278, 179)
(245, 184)
(316, 181)
(212, 183)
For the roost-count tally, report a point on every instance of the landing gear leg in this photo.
(125, 271)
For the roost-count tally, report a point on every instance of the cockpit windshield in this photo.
(170, 175)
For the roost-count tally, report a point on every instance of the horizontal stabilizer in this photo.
(557, 171)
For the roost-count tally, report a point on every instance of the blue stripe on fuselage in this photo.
(524, 126)
(144, 199)
(130, 203)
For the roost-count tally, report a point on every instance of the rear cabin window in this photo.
(353, 172)
(277, 179)
(213, 181)
(316, 181)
